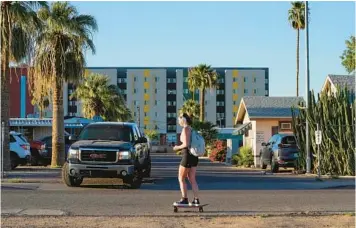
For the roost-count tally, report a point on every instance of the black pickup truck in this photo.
(108, 150)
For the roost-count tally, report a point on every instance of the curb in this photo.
(60, 213)
(25, 180)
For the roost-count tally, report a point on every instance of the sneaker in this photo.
(195, 202)
(182, 201)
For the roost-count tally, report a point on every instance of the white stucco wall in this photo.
(261, 132)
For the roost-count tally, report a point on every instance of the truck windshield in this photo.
(107, 132)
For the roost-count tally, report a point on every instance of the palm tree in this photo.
(296, 17)
(202, 77)
(18, 21)
(100, 98)
(59, 57)
(191, 107)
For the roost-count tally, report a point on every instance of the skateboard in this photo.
(176, 206)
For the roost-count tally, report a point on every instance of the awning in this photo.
(242, 129)
(47, 122)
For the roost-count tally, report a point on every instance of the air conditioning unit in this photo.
(286, 126)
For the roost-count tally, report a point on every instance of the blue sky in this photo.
(242, 34)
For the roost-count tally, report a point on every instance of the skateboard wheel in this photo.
(175, 209)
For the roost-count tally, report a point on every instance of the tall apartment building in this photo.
(155, 94)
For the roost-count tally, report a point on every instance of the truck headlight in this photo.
(73, 154)
(124, 155)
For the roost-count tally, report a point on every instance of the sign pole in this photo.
(317, 128)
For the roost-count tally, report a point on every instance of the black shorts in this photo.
(188, 160)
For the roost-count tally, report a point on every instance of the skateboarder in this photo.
(189, 162)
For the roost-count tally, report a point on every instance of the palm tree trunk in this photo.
(202, 104)
(298, 62)
(5, 93)
(58, 156)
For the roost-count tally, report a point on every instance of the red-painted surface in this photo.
(15, 93)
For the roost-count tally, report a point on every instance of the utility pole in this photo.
(307, 147)
(138, 117)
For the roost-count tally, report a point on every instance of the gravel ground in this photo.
(342, 221)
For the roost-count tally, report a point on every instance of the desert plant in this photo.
(335, 115)
(245, 157)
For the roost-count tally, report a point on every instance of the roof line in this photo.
(178, 67)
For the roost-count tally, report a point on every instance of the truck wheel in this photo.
(14, 160)
(69, 180)
(147, 172)
(133, 182)
(274, 166)
(34, 157)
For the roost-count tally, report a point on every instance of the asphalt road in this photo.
(226, 190)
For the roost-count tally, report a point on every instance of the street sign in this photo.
(318, 137)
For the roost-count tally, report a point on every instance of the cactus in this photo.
(336, 118)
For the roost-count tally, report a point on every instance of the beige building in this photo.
(260, 117)
(332, 81)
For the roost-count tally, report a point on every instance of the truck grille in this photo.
(98, 156)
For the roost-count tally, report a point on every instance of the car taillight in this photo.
(25, 147)
(283, 145)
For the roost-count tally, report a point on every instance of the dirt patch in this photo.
(343, 221)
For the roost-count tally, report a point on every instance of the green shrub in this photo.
(235, 159)
(245, 157)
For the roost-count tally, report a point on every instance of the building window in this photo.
(254, 91)
(156, 114)
(220, 115)
(145, 90)
(135, 78)
(172, 127)
(147, 102)
(156, 79)
(245, 91)
(171, 91)
(206, 102)
(171, 80)
(156, 91)
(219, 91)
(121, 80)
(186, 79)
(135, 102)
(135, 114)
(234, 114)
(254, 79)
(220, 103)
(245, 79)
(135, 90)
(186, 91)
(266, 81)
(221, 80)
(171, 115)
(234, 79)
(266, 93)
(171, 103)
(146, 114)
(234, 90)
(156, 102)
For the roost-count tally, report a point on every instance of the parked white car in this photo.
(19, 150)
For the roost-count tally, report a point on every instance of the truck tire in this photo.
(133, 181)
(147, 172)
(274, 166)
(14, 160)
(69, 180)
(34, 157)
